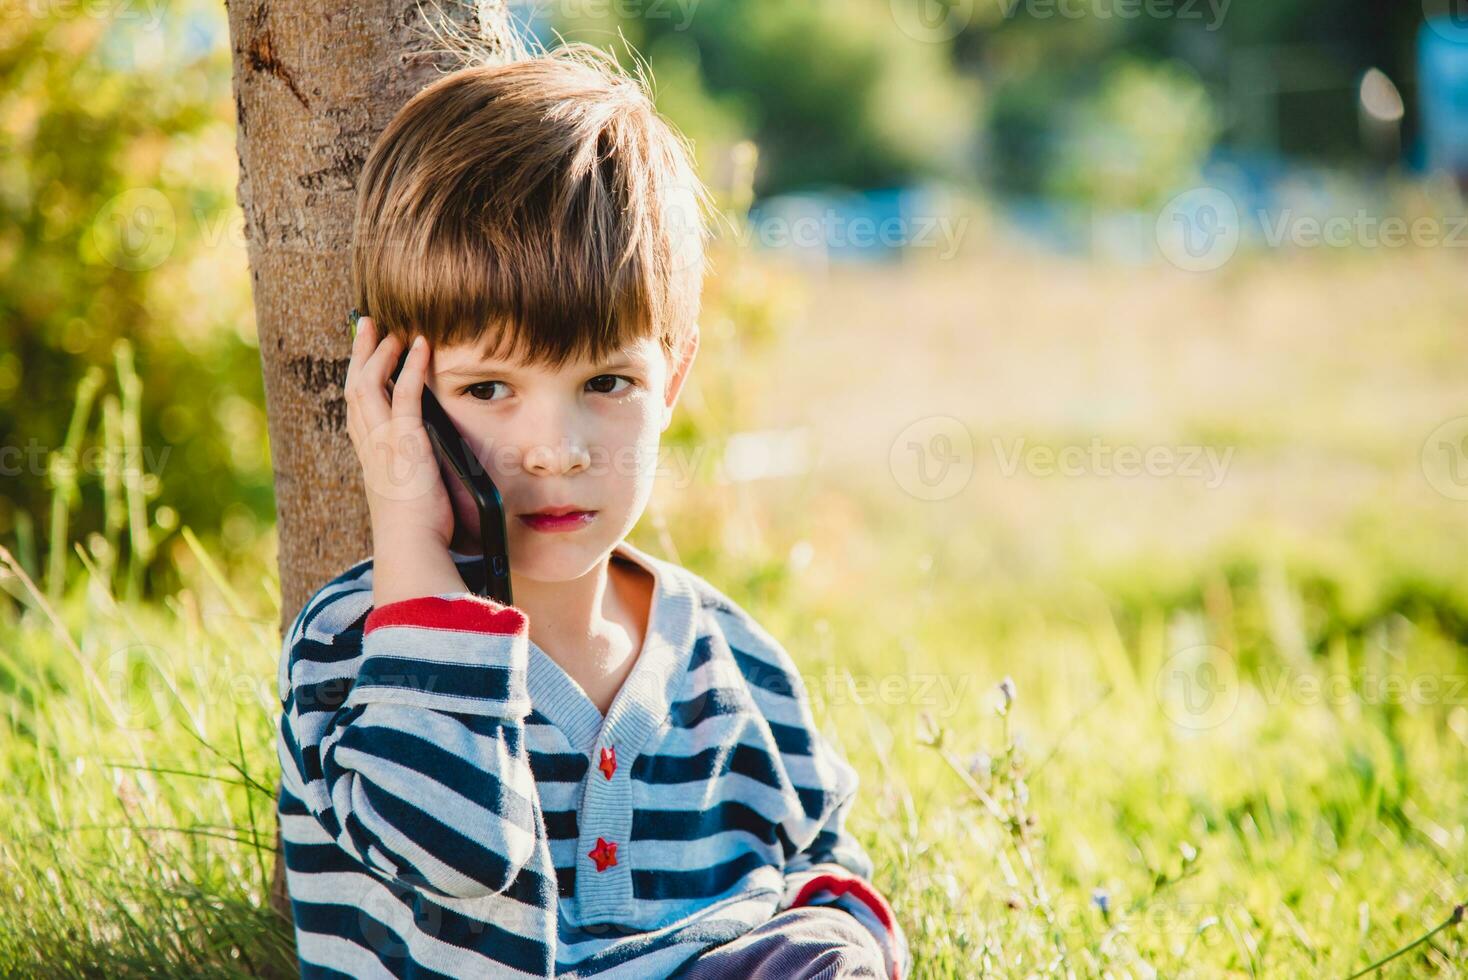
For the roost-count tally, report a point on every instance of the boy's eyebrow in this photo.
(471, 372)
(478, 370)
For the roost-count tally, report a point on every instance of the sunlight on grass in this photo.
(140, 783)
(1240, 757)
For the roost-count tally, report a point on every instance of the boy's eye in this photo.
(478, 390)
(602, 384)
(602, 379)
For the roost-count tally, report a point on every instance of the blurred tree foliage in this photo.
(833, 91)
(117, 173)
(1145, 131)
(874, 93)
(118, 221)
(1278, 78)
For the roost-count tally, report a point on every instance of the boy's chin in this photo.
(554, 557)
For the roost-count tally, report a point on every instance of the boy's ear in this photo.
(679, 375)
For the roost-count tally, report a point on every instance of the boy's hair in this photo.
(541, 207)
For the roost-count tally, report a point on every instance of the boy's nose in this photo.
(566, 456)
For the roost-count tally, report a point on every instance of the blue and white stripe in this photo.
(440, 794)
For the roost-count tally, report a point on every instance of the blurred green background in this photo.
(118, 170)
(1082, 401)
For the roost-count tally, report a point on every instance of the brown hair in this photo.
(541, 207)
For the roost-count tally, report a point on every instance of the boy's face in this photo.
(585, 435)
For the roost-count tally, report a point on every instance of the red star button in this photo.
(608, 763)
(604, 854)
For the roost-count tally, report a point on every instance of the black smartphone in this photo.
(494, 583)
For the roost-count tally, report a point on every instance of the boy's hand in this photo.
(412, 517)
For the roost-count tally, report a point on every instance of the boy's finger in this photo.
(363, 341)
(379, 366)
(407, 396)
(371, 383)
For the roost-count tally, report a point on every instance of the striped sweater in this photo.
(452, 804)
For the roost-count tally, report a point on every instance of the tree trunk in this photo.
(315, 82)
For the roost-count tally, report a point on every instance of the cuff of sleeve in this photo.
(828, 884)
(455, 652)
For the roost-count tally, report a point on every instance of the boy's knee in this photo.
(845, 961)
(806, 943)
(841, 926)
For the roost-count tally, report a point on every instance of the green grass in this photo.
(1307, 820)
(1295, 835)
(139, 775)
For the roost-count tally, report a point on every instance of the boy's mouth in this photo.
(555, 519)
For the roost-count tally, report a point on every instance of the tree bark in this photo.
(315, 82)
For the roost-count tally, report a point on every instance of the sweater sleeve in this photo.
(420, 772)
(827, 864)
(834, 870)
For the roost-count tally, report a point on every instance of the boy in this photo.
(618, 775)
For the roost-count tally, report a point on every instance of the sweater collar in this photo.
(649, 691)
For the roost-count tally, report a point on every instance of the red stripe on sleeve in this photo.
(467, 613)
(854, 886)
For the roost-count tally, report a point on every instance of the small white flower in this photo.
(1006, 693)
